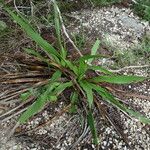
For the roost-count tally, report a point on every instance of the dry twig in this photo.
(129, 67)
(65, 31)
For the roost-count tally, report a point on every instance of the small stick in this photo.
(13, 95)
(65, 31)
(17, 113)
(14, 109)
(25, 80)
(13, 130)
(130, 67)
(84, 133)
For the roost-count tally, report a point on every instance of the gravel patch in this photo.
(117, 26)
(65, 130)
(123, 29)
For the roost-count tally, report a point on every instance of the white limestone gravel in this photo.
(122, 28)
(116, 26)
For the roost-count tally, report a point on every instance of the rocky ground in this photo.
(122, 30)
(117, 26)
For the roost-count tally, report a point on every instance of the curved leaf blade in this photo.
(39, 103)
(118, 79)
(88, 91)
(74, 100)
(94, 49)
(32, 110)
(82, 69)
(91, 124)
(110, 99)
(56, 76)
(33, 34)
(24, 96)
(62, 87)
(101, 69)
(36, 54)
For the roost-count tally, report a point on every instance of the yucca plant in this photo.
(84, 79)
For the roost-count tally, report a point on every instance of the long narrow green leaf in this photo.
(110, 99)
(63, 52)
(91, 123)
(88, 91)
(56, 76)
(57, 24)
(101, 69)
(118, 79)
(74, 100)
(33, 34)
(94, 49)
(62, 87)
(58, 30)
(25, 96)
(32, 110)
(71, 66)
(36, 54)
(74, 97)
(39, 103)
(82, 69)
